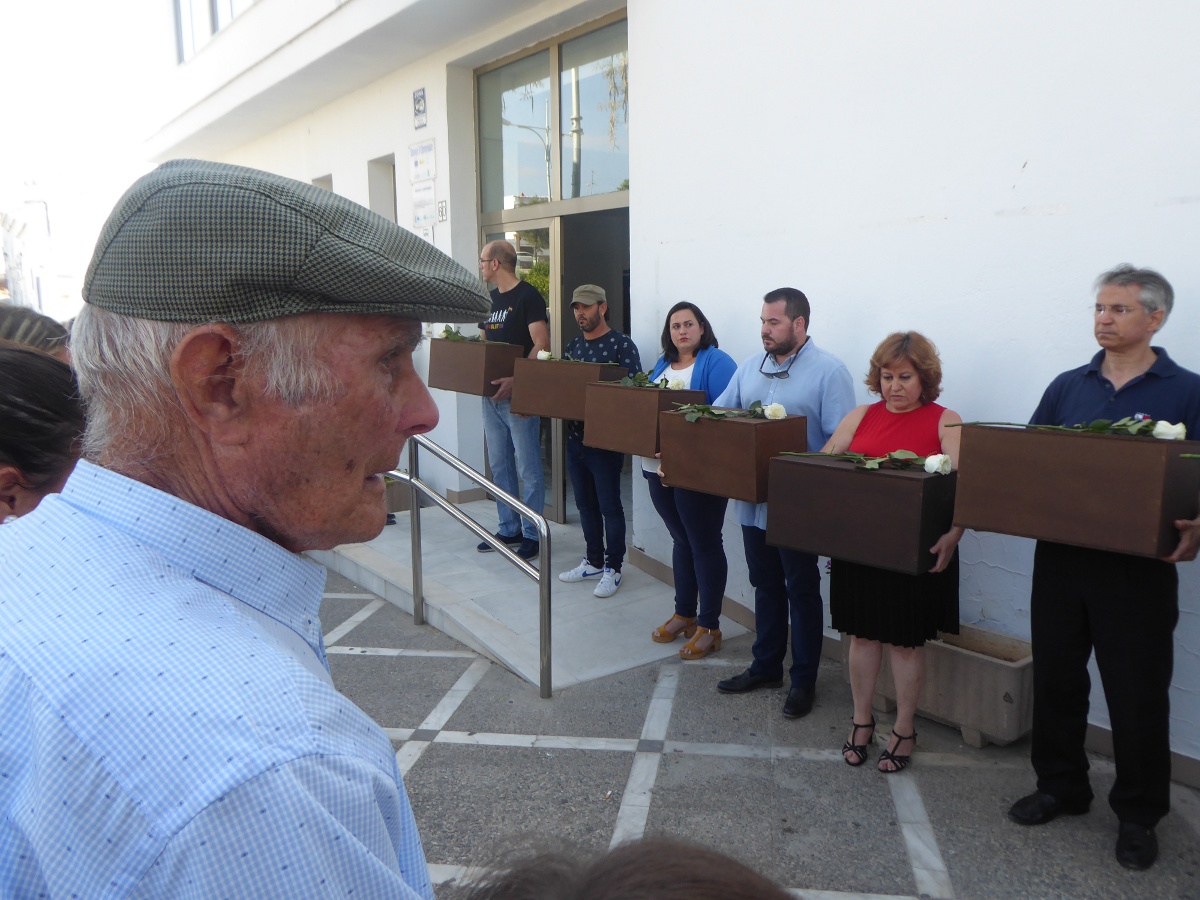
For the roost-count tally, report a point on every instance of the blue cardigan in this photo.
(714, 369)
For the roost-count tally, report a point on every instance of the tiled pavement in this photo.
(657, 750)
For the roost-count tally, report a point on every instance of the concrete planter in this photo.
(398, 496)
(979, 681)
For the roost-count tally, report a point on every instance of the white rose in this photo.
(938, 464)
(545, 354)
(1169, 432)
(774, 411)
(676, 385)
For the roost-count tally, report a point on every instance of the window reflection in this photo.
(594, 99)
(514, 134)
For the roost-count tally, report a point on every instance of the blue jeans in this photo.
(514, 445)
(786, 584)
(694, 521)
(596, 479)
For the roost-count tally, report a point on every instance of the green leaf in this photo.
(902, 454)
(1099, 426)
(692, 416)
(871, 463)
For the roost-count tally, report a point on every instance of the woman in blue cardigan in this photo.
(690, 356)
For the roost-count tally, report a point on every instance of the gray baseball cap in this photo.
(196, 241)
(588, 295)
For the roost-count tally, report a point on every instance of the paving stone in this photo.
(470, 800)
(609, 707)
(396, 691)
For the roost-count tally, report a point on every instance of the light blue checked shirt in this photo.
(168, 726)
(818, 386)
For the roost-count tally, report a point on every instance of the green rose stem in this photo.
(897, 459)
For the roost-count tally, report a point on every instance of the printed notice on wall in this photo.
(424, 205)
(421, 164)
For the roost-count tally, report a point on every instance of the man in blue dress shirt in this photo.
(1123, 607)
(810, 382)
(168, 725)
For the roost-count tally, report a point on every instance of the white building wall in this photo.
(965, 170)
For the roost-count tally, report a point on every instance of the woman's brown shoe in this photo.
(706, 641)
(673, 628)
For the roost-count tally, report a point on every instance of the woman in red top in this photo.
(877, 607)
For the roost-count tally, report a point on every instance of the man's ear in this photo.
(208, 373)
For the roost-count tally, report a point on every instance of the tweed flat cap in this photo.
(197, 241)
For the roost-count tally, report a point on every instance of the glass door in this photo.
(535, 241)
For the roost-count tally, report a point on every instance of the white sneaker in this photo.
(584, 570)
(609, 582)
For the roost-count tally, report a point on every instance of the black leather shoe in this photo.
(799, 702)
(1039, 808)
(1137, 846)
(747, 681)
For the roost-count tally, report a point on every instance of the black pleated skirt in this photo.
(905, 610)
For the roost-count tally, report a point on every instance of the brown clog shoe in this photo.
(706, 641)
(673, 628)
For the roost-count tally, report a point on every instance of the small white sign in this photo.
(424, 205)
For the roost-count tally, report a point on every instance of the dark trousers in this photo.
(787, 584)
(694, 521)
(596, 480)
(1125, 607)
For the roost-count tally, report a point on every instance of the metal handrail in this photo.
(541, 574)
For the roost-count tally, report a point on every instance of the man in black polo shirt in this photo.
(1125, 607)
(514, 443)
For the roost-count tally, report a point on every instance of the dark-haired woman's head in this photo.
(41, 421)
(688, 325)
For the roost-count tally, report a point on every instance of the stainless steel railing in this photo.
(541, 574)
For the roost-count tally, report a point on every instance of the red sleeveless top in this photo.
(882, 432)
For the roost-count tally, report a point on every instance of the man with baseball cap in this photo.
(168, 725)
(595, 473)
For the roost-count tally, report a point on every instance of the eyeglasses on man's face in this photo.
(1119, 310)
(483, 261)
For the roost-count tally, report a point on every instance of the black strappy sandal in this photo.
(859, 750)
(900, 762)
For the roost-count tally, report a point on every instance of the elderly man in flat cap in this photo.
(168, 726)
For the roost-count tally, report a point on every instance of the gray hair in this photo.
(124, 369)
(1155, 291)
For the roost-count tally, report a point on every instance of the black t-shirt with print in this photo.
(512, 314)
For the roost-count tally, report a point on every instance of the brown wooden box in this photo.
(1107, 492)
(470, 367)
(888, 518)
(625, 418)
(726, 457)
(555, 388)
